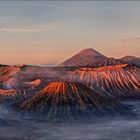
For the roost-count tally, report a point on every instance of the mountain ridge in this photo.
(90, 57)
(131, 59)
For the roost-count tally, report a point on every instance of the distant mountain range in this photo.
(91, 58)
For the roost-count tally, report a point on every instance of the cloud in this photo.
(131, 39)
(32, 28)
(19, 30)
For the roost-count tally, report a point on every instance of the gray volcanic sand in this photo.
(13, 128)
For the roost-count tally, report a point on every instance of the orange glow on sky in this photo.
(50, 32)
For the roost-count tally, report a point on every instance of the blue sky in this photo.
(49, 32)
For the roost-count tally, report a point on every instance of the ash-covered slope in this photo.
(13, 90)
(7, 71)
(83, 58)
(10, 96)
(131, 60)
(68, 100)
(117, 81)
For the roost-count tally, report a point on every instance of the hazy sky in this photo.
(50, 32)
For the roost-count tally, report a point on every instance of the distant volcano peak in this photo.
(84, 58)
(90, 51)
